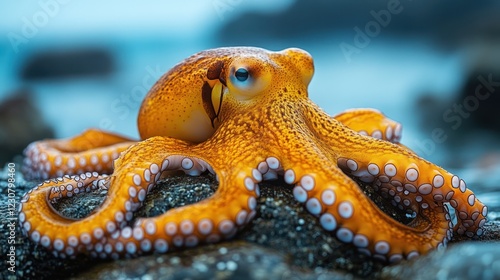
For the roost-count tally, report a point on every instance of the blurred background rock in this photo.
(89, 64)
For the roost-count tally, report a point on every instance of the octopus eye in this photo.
(241, 74)
(248, 77)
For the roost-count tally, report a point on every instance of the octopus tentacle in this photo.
(187, 226)
(416, 182)
(371, 122)
(216, 218)
(422, 183)
(106, 233)
(93, 150)
(44, 225)
(68, 237)
(335, 200)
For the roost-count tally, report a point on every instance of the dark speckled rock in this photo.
(282, 242)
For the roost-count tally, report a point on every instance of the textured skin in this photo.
(262, 127)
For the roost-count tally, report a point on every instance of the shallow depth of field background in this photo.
(433, 66)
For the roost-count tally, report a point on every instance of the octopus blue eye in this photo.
(241, 74)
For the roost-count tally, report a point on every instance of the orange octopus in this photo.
(244, 114)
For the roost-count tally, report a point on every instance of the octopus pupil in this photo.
(241, 74)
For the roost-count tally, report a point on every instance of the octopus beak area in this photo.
(208, 97)
(302, 61)
(210, 92)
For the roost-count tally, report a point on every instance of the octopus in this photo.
(243, 114)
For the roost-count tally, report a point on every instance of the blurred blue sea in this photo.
(415, 67)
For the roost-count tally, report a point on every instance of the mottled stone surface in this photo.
(470, 260)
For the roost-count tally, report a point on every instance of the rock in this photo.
(468, 260)
(312, 20)
(480, 99)
(469, 119)
(228, 260)
(283, 241)
(58, 64)
(20, 124)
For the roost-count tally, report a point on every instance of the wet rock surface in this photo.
(282, 242)
(21, 123)
(461, 261)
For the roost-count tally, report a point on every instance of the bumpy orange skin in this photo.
(244, 114)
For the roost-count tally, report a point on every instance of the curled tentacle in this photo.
(371, 122)
(416, 182)
(342, 208)
(93, 150)
(109, 231)
(413, 184)
(44, 225)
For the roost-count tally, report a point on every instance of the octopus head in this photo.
(187, 101)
